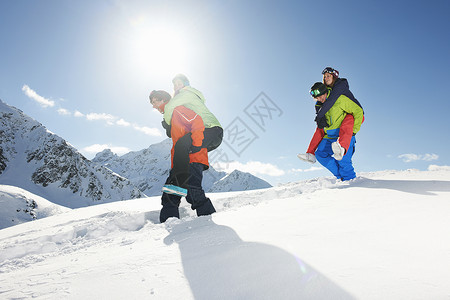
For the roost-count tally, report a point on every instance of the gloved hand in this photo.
(167, 127)
(194, 149)
(322, 122)
(308, 157)
(164, 124)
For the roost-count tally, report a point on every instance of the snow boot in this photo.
(308, 157)
(168, 212)
(206, 208)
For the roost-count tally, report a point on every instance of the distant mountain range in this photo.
(44, 164)
(148, 170)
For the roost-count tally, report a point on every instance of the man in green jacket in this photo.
(342, 169)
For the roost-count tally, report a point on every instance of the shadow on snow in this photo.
(219, 265)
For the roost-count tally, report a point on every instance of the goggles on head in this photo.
(332, 71)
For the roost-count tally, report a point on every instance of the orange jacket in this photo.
(186, 121)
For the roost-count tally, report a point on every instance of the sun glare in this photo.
(158, 48)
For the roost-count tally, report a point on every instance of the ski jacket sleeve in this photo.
(351, 107)
(185, 121)
(197, 130)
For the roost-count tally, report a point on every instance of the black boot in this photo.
(170, 204)
(168, 212)
(206, 209)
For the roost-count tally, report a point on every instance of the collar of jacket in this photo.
(163, 106)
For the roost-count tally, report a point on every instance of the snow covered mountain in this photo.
(42, 163)
(148, 170)
(239, 181)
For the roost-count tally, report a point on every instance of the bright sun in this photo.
(159, 48)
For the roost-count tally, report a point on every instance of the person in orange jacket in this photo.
(188, 160)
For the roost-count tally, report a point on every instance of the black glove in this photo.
(167, 127)
(322, 122)
(194, 149)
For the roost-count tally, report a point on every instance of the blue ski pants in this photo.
(342, 169)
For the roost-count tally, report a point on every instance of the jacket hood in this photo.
(343, 81)
(195, 91)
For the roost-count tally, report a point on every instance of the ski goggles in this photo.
(331, 71)
(316, 93)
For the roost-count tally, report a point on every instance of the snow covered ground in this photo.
(386, 235)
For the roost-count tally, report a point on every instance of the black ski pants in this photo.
(195, 196)
(180, 172)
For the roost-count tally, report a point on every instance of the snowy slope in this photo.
(18, 206)
(148, 170)
(43, 163)
(384, 235)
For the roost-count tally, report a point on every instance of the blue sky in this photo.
(84, 69)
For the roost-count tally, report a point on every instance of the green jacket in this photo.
(337, 113)
(194, 100)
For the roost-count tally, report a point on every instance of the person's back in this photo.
(338, 112)
(187, 123)
(194, 100)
